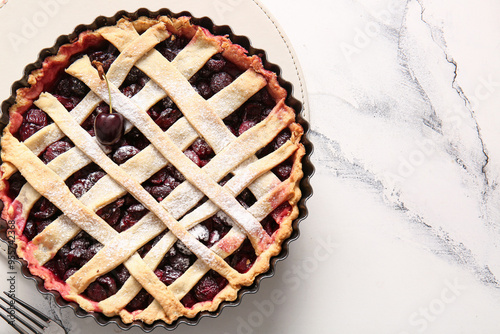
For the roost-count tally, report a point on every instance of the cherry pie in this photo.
(191, 199)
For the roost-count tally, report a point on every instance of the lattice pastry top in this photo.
(187, 207)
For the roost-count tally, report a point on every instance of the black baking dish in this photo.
(291, 101)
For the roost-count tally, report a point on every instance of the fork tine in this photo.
(29, 308)
(36, 322)
(13, 324)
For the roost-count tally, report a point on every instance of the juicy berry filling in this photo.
(123, 213)
(16, 182)
(73, 255)
(77, 253)
(56, 149)
(81, 182)
(41, 215)
(243, 259)
(205, 290)
(33, 120)
(161, 184)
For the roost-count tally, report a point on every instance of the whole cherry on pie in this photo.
(191, 197)
(108, 128)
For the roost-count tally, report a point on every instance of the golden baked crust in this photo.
(136, 41)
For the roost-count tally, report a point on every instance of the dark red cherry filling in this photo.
(243, 259)
(16, 182)
(250, 113)
(205, 290)
(161, 184)
(106, 56)
(171, 47)
(33, 120)
(41, 215)
(140, 301)
(81, 182)
(284, 169)
(123, 213)
(70, 87)
(73, 255)
(77, 253)
(165, 113)
(214, 76)
(56, 149)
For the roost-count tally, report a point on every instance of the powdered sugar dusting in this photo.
(200, 232)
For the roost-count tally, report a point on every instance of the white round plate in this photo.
(28, 26)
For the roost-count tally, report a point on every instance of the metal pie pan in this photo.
(305, 185)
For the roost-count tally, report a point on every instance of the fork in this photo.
(45, 324)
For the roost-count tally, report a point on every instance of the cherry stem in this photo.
(102, 76)
(109, 93)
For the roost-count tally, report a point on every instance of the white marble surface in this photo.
(403, 231)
